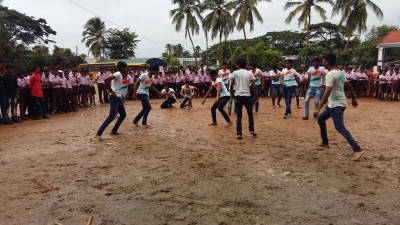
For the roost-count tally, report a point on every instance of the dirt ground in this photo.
(181, 171)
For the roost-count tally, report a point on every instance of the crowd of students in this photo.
(67, 90)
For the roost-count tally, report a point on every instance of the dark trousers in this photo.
(3, 105)
(168, 102)
(288, 92)
(102, 92)
(245, 101)
(220, 106)
(37, 110)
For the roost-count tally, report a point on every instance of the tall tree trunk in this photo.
(221, 50)
(191, 41)
(246, 45)
(206, 48)
(308, 39)
(347, 43)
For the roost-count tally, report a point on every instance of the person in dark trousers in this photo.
(11, 90)
(243, 80)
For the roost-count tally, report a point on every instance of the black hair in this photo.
(242, 63)
(154, 67)
(253, 64)
(331, 57)
(121, 65)
(315, 60)
(213, 73)
(289, 61)
(225, 64)
(275, 66)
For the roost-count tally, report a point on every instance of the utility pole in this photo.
(76, 51)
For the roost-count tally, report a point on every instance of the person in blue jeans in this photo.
(117, 86)
(290, 84)
(314, 81)
(337, 103)
(141, 91)
(276, 85)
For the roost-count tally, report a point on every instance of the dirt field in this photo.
(183, 172)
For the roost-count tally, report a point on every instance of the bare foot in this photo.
(229, 113)
(356, 156)
(115, 133)
(253, 133)
(285, 117)
(305, 118)
(229, 125)
(135, 124)
(146, 126)
(98, 137)
(212, 124)
(239, 136)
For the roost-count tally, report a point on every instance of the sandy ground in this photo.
(183, 172)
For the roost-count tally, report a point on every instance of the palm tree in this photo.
(169, 48)
(304, 8)
(186, 14)
(178, 50)
(94, 36)
(354, 15)
(219, 21)
(245, 11)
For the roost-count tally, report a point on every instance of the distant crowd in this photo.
(64, 90)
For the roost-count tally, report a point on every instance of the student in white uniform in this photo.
(117, 86)
(187, 92)
(141, 91)
(243, 80)
(337, 103)
(221, 99)
(170, 97)
(290, 83)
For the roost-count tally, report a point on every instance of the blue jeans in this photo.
(288, 91)
(116, 105)
(245, 101)
(276, 90)
(254, 102)
(312, 91)
(338, 120)
(146, 107)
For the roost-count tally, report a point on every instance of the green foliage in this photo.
(287, 42)
(260, 54)
(121, 44)
(94, 36)
(26, 29)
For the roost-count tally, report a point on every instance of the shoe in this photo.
(46, 117)
(115, 133)
(8, 122)
(239, 136)
(305, 118)
(285, 117)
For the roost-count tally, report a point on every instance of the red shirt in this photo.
(36, 86)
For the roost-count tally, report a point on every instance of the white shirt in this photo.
(224, 75)
(258, 74)
(276, 80)
(145, 84)
(100, 77)
(316, 76)
(289, 77)
(243, 80)
(336, 80)
(120, 85)
(170, 93)
(223, 90)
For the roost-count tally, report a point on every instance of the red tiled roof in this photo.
(392, 37)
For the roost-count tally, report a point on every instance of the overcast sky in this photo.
(150, 20)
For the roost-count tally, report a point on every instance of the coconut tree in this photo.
(304, 8)
(354, 15)
(219, 21)
(245, 11)
(186, 15)
(94, 36)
